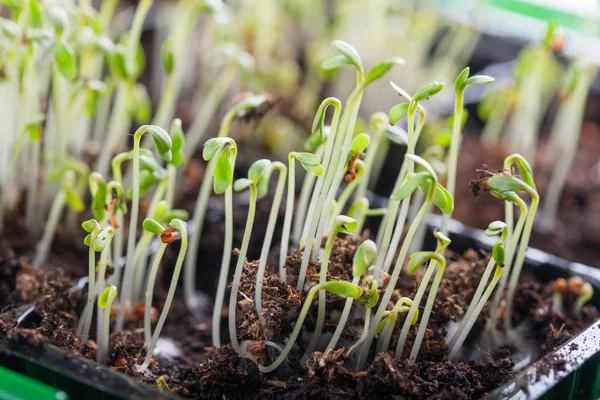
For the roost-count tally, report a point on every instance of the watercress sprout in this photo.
(363, 258)
(105, 302)
(179, 229)
(480, 298)
(256, 173)
(460, 85)
(339, 288)
(311, 163)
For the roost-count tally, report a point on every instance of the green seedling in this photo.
(105, 302)
(339, 288)
(177, 228)
(363, 258)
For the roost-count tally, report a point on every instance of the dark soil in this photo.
(576, 236)
(206, 372)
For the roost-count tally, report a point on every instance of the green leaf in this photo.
(443, 199)
(178, 143)
(107, 296)
(99, 200)
(101, 239)
(384, 321)
(345, 223)
(162, 385)
(443, 139)
(479, 80)
(372, 296)
(443, 240)
(34, 130)
(316, 170)
(211, 147)
(176, 214)
(335, 62)
(410, 184)
(421, 257)
(428, 90)
(168, 58)
(35, 14)
(501, 183)
(73, 199)
(147, 181)
(223, 172)
(257, 170)
(64, 59)
(307, 158)
(359, 143)
(152, 226)
(420, 161)
(525, 169)
(495, 228)
(459, 83)
(313, 142)
(398, 112)
(499, 253)
(242, 184)
(90, 225)
(149, 163)
(117, 63)
(87, 240)
(379, 70)
(343, 289)
(160, 210)
(348, 51)
(364, 257)
(162, 141)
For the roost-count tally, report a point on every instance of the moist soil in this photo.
(202, 371)
(576, 236)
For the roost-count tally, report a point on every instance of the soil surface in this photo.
(201, 371)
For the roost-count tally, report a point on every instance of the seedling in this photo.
(583, 292)
(460, 85)
(342, 224)
(388, 323)
(311, 163)
(478, 302)
(559, 289)
(416, 260)
(177, 228)
(363, 258)
(257, 173)
(105, 302)
(339, 288)
(264, 252)
(222, 176)
(163, 145)
(437, 195)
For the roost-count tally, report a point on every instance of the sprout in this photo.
(363, 258)
(388, 238)
(386, 326)
(105, 302)
(264, 253)
(460, 85)
(66, 196)
(416, 260)
(163, 145)
(479, 300)
(559, 288)
(161, 383)
(176, 228)
(105, 237)
(342, 224)
(221, 154)
(342, 289)
(339, 145)
(311, 163)
(437, 195)
(93, 228)
(177, 160)
(257, 172)
(583, 291)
